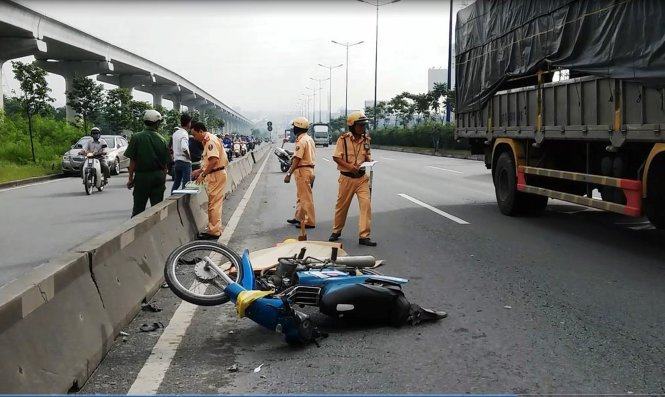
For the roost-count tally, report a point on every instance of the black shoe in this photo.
(206, 236)
(334, 236)
(293, 221)
(297, 225)
(366, 241)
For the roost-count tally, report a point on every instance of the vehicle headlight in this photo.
(66, 157)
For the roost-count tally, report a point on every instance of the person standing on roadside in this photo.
(302, 166)
(351, 151)
(149, 157)
(182, 167)
(213, 173)
(195, 151)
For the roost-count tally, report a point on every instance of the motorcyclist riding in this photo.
(96, 147)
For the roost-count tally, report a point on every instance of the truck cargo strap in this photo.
(630, 187)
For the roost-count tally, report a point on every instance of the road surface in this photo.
(46, 219)
(568, 302)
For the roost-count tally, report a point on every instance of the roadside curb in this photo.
(28, 181)
(476, 157)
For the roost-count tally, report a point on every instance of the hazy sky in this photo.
(260, 55)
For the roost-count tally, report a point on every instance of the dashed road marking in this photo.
(434, 209)
(388, 158)
(325, 159)
(152, 374)
(444, 169)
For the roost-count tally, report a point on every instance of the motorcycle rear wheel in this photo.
(192, 280)
(284, 167)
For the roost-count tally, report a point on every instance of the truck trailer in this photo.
(565, 97)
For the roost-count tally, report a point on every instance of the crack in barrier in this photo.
(94, 280)
(42, 293)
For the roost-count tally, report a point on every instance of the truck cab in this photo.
(320, 132)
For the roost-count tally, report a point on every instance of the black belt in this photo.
(215, 170)
(305, 166)
(352, 175)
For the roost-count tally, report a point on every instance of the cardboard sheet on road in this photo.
(267, 257)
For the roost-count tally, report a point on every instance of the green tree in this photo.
(137, 108)
(35, 98)
(171, 120)
(86, 98)
(117, 111)
(337, 125)
(422, 103)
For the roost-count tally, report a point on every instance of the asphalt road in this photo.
(44, 220)
(568, 302)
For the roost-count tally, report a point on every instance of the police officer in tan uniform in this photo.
(351, 151)
(302, 167)
(213, 173)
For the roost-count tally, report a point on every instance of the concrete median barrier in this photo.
(58, 322)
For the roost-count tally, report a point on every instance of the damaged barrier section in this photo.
(58, 322)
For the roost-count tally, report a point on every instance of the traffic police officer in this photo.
(302, 166)
(213, 173)
(149, 158)
(351, 151)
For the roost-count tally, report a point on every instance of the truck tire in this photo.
(655, 201)
(512, 202)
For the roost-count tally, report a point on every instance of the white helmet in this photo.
(152, 115)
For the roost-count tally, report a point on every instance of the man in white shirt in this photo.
(182, 167)
(96, 147)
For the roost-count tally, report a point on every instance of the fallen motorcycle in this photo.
(207, 273)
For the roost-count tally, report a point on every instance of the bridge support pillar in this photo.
(17, 47)
(71, 69)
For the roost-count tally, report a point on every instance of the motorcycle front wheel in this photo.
(89, 182)
(189, 275)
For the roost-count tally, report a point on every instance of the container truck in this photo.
(564, 98)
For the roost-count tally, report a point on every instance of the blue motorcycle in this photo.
(207, 273)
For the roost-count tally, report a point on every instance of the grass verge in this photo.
(10, 172)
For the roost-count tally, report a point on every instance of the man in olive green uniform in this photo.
(149, 157)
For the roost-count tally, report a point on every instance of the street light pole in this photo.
(376, 49)
(450, 54)
(330, 69)
(346, 100)
(313, 101)
(320, 97)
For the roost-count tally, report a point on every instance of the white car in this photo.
(115, 157)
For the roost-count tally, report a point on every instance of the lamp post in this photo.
(330, 69)
(313, 101)
(346, 101)
(376, 47)
(450, 54)
(320, 100)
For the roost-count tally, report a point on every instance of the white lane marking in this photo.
(388, 158)
(326, 159)
(633, 223)
(434, 209)
(152, 374)
(32, 184)
(444, 169)
(642, 227)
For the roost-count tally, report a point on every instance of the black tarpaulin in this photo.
(500, 39)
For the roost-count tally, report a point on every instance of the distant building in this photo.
(436, 75)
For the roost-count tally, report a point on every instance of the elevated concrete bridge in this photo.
(69, 52)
